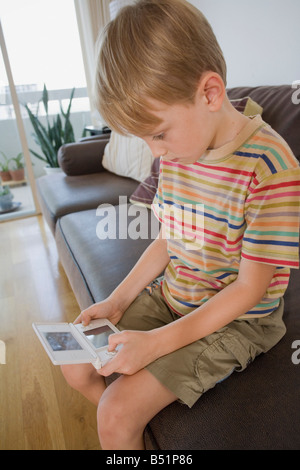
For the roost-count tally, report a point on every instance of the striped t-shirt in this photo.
(239, 201)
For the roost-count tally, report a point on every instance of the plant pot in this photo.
(52, 170)
(5, 175)
(17, 175)
(6, 202)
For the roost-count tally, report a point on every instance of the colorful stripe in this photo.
(242, 205)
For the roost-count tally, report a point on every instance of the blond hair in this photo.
(154, 49)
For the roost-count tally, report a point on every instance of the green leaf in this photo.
(39, 156)
(45, 98)
(42, 137)
(18, 160)
(52, 136)
(59, 126)
(70, 103)
(69, 134)
(57, 134)
(5, 166)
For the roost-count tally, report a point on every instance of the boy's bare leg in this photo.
(85, 379)
(127, 406)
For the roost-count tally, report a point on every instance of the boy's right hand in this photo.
(104, 309)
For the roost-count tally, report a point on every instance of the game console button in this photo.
(97, 364)
(110, 353)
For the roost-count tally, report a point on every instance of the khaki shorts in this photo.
(199, 366)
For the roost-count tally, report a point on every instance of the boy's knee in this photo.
(75, 376)
(108, 418)
(114, 424)
(69, 374)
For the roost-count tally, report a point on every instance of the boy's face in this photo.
(186, 131)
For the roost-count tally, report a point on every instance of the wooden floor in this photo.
(38, 410)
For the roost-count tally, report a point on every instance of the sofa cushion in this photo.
(146, 190)
(128, 156)
(96, 266)
(60, 194)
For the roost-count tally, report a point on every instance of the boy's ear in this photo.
(212, 89)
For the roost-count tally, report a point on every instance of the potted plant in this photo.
(55, 134)
(17, 172)
(6, 198)
(4, 168)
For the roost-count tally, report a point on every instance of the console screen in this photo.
(99, 336)
(62, 341)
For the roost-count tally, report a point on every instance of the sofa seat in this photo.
(61, 194)
(96, 266)
(258, 412)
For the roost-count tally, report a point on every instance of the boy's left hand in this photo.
(136, 352)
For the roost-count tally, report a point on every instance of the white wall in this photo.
(260, 39)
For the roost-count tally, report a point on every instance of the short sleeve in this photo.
(272, 217)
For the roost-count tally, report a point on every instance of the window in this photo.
(43, 46)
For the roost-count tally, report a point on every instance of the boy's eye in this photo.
(158, 137)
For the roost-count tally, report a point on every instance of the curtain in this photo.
(92, 16)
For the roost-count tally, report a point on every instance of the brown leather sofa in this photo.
(258, 409)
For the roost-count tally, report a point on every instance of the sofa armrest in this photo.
(82, 158)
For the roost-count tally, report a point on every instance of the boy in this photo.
(162, 76)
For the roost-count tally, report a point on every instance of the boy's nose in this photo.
(157, 150)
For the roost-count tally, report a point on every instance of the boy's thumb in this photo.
(113, 341)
